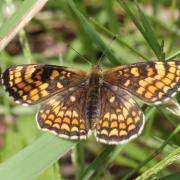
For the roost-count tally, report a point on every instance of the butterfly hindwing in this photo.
(64, 114)
(30, 84)
(152, 82)
(121, 118)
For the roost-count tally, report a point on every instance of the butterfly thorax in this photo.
(93, 95)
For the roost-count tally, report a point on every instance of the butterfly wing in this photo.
(121, 118)
(31, 84)
(152, 82)
(64, 114)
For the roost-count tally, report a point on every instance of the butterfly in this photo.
(77, 103)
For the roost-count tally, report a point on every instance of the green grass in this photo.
(89, 26)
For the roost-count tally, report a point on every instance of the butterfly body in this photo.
(76, 102)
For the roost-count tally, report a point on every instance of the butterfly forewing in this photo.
(152, 82)
(121, 118)
(64, 114)
(30, 84)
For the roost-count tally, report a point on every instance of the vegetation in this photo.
(144, 30)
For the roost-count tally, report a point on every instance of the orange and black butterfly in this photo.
(77, 102)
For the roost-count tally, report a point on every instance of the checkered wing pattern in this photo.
(152, 82)
(31, 84)
(64, 114)
(121, 118)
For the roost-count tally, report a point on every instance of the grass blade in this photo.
(19, 19)
(92, 33)
(34, 159)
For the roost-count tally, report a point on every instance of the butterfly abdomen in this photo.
(92, 102)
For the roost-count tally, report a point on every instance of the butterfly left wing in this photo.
(121, 118)
(64, 114)
(153, 82)
(31, 83)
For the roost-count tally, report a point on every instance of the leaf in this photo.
(35, 158)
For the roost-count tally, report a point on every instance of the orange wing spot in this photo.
(131, 127)
(58, 120)
(14, 89)
(35, 97)
(27, 88)
(122, 126)
(166, 89)
(29, 101)
(17, 74)
(178, 72)
(47, 111)
(113, 132)
(54, 74)
(113, 117)
(149, 80)
(159, 85)
(114, 124)
(11, 77)
(125, 112)
(122, 133)
(66, 120)
(48, 122)
(136, 119)
(44, 93)
(150, 71)
(135, 71)
(129, 121)
(118, 110)
(126, 75)
(68, 113)
(20, 93)
(120, 117)
(160, 95)
(75, 114)
(74, 128)
(56, 110)
(43, 116)
(18, 80)
(172, 69)
(62, 77)
(21, 85)
(64, 126)
(148, 95)
(107, 116)
(18, 68)
(134, 113)
(82, 126)
(104, 132)
(127, 83)
(24, 97)
(75, 122)
(158, 77)
(111, 100)
(29, 80)
(11, 83)
(170, 76)
(140, 90)
(143, 83)
(152, 88)
(59, 85)
(51, 116)
(166, 81)
(68, 74)
(38, 83)
(33, 92)
(173, 84)
(159, 66)
(161, 72)
(43, 86)
(30, 69)
(57, 126)
(72, 98)
(105, 124)
(61, 114)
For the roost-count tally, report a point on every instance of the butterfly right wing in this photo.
(31, 83)
(121, 118)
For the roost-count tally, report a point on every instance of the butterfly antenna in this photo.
(105, 50)
(80, 54)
